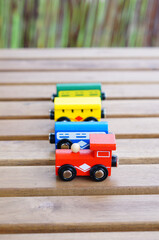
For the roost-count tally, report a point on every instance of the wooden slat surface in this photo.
(106, 77)
(40, 109)
(76, 65)
(41, 181)
(65, 214)
(22, 153)
(40, 129)
(85, 236)
(44, 92)
(80, 53)
(32, 198)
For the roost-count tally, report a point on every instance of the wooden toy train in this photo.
(83, 144)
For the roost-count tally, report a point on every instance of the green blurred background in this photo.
(79, 23)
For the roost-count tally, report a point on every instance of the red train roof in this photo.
(102, 142)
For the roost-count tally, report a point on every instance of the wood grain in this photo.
(113, 92)
(32, 199)
(85, 236)
(79, 214)
(41, 181)
(114, 109)
(40, 129)
(28, 153)
(79, 65)
(80, 53)
(105, 77)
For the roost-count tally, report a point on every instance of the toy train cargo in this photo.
(67, 133)
(95, 162)
(79, 90)
(77, 109)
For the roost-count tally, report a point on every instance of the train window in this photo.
(103, 154)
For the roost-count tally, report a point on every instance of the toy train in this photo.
(67, 133)
(77, 109)
(95, 162)
(79, 90)
(83, 144)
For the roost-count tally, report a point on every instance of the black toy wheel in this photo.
(99, 173)
(63, 119)
(103, 96)
(52, 138)
(67, 172)
(53, 97)
(64, 144)
(51, 114)
(91, 119)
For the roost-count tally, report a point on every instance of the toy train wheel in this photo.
(67, 172)
(64, 144)
(91, 119)
(63, 119)
(99, 173)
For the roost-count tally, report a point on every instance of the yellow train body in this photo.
(77, 108)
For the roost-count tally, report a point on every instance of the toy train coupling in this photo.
(52, 138)
(114, 161)
(103, 96)
(53, 97)
(103, 113)
(51, 114)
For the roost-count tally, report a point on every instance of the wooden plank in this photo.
(22, 153)
(79, 214)
(41, 181)
(85, 236)
(40, 129)
(28, 153)
(44, 92)
(80, 53)
(114, 109)
(79, 65)
(106, 77)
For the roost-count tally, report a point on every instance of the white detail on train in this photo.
(75, 135)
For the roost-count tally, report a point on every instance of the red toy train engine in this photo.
(95, 162)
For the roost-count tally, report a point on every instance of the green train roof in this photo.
(78, 86)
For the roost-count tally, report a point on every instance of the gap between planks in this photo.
(79, 214)
(36, 153)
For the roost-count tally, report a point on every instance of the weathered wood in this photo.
(23, 153)
(40, 129)
(116, 108)
(113, 92)
(85, 236)
(79, 214)
(77, 65)
(80, 53)
(41, 181)
(105, 77)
